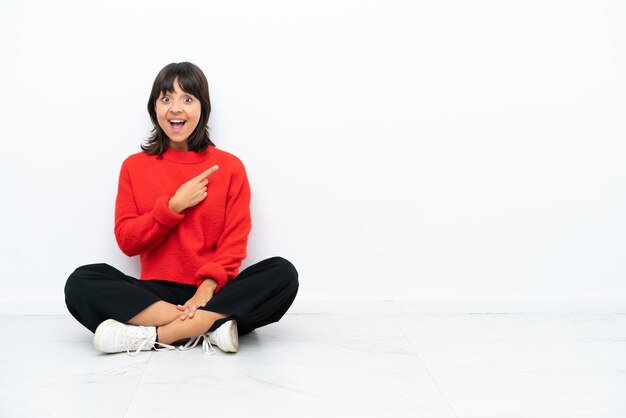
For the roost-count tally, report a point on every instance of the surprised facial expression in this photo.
(178, 114)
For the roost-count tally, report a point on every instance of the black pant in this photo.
(259, 295)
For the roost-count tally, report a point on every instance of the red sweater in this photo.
(205, 241)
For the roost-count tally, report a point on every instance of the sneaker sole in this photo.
(97, 339)
(234, 338)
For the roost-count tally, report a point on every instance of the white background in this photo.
(397, 150)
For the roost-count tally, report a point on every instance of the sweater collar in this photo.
(186, 157)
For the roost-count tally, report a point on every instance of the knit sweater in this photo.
(205, 241)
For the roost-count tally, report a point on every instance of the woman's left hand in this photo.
(199, 300)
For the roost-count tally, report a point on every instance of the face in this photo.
(178, 114)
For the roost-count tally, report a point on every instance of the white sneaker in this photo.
(225, 337)
(115, 337)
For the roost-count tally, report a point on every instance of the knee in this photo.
(76, 284)
(287, 273)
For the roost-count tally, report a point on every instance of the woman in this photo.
(183, 206)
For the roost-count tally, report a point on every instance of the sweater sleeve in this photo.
(135, 232)
(231, 246)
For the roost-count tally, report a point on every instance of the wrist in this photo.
(172, 204)
(209, 284)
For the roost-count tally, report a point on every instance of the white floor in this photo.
(330, 366)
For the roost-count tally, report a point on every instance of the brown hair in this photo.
(192, 81)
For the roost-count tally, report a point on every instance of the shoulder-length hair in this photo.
(191, 80)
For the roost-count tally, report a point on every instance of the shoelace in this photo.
(142, 340)
(143, 343)
(207, 347)
(134, 337)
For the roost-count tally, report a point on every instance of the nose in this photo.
(176, 107)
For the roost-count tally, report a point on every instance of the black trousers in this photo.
(259, 295)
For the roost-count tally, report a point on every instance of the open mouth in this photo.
(177, 123)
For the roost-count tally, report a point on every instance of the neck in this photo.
(186, 157)
(179, 146)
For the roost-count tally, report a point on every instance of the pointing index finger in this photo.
(208, 172)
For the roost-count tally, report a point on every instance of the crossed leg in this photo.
(170, 327)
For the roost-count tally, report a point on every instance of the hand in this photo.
(192, 192)
(199, 300)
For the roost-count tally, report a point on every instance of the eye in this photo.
(165, 99)
(187, 99)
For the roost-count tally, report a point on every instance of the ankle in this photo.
(161, 336)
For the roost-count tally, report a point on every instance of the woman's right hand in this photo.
(192, 192)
